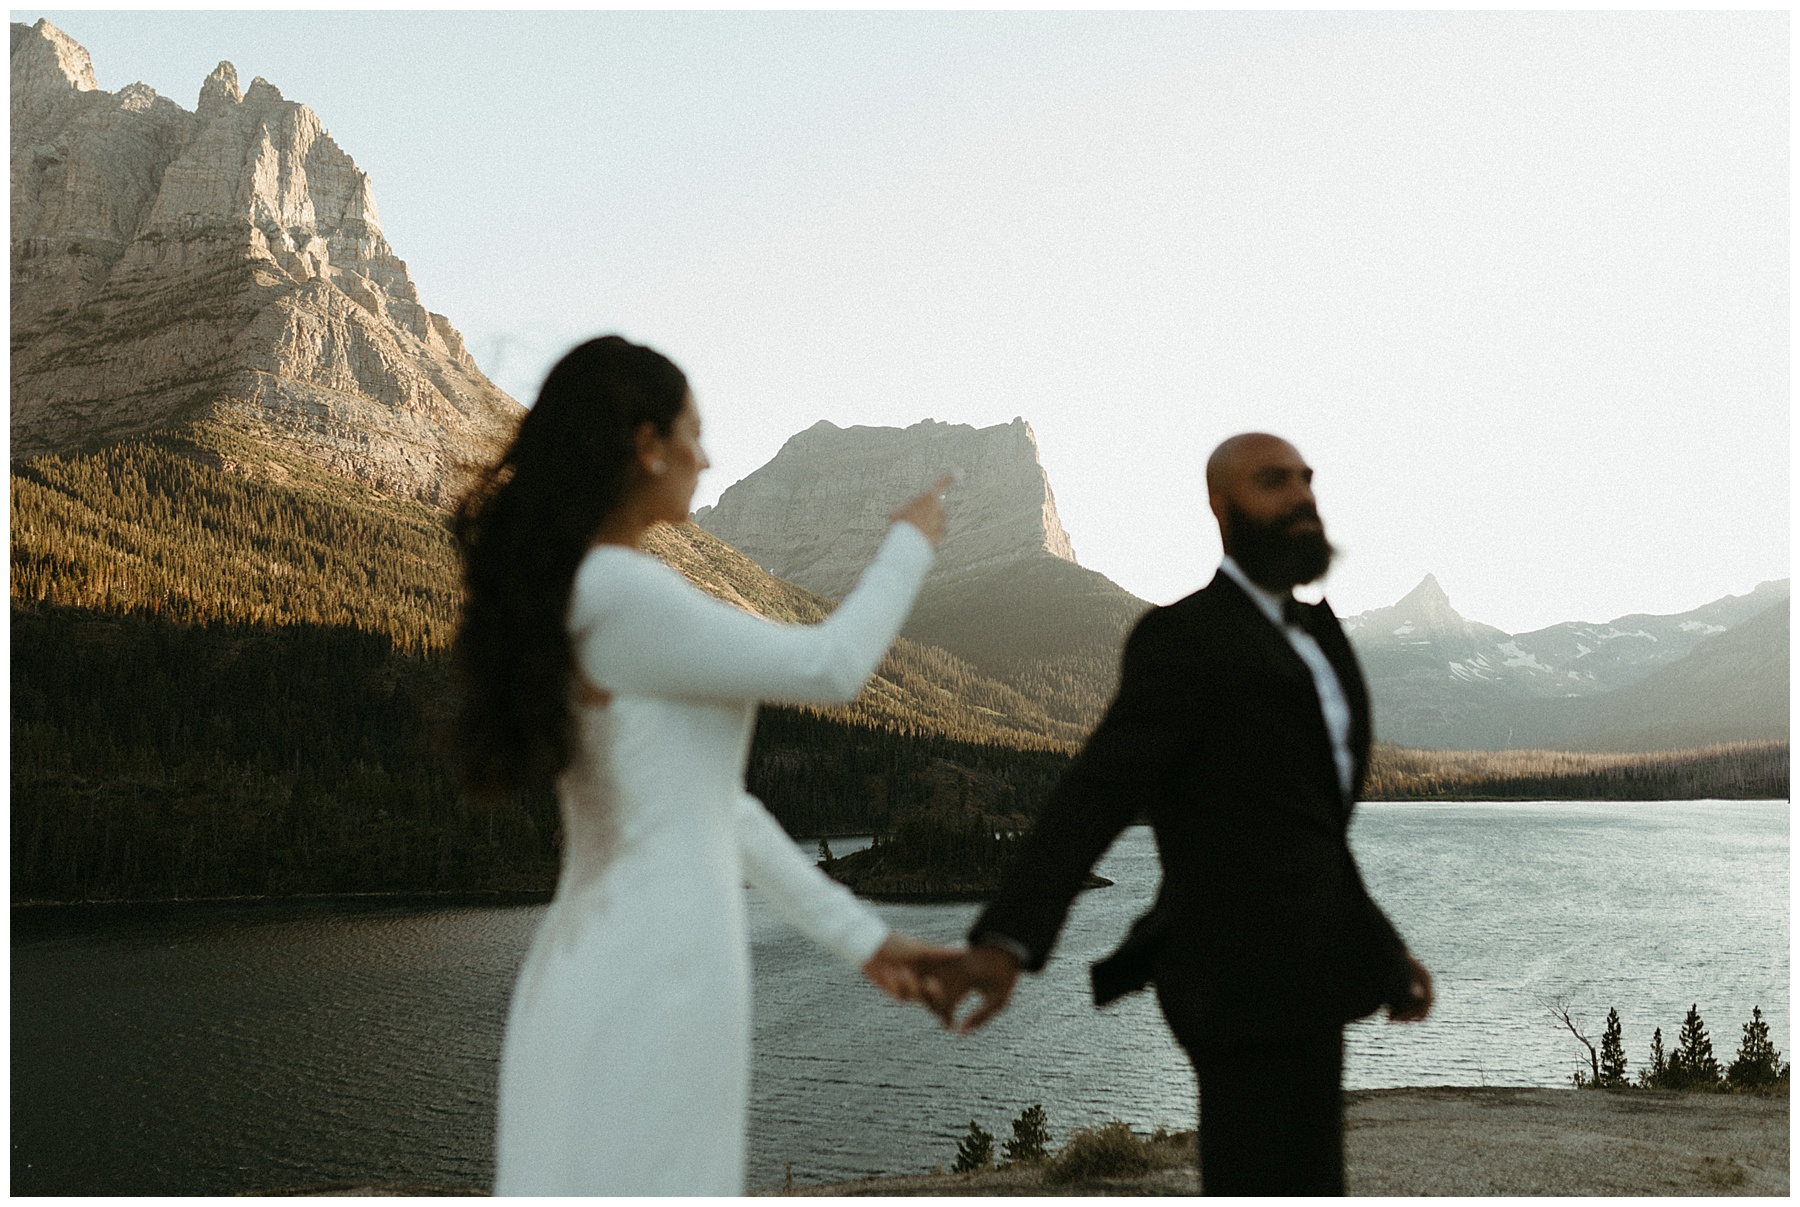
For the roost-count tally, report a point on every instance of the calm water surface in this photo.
(212, 1049)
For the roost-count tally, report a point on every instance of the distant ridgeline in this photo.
(1715, 674)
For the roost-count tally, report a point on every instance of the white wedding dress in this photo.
(626, 1064)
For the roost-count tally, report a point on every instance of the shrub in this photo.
(1109, 1151)
(975, 1152)
(1031, 1136)
(1758, 1064)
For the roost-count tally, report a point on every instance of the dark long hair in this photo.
(523, 529)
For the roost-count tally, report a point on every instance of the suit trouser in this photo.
(1271, 1110)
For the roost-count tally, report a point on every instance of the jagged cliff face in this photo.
(815, 513)
(226, 264)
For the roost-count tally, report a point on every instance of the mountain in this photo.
(1006, 594)
(1440, 681)
(218, 283)
(236, 432)
(815, 513)
(1732, 688)
(227, 265)
(1422, 617)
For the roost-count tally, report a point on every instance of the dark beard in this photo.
(1274, 558)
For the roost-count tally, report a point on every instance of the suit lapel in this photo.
(1320, 621)
(1256, 627)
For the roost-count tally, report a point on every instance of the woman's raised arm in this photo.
(640, 627)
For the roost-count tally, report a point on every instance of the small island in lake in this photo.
(933, 855)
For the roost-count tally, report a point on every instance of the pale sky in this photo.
(1516, 283)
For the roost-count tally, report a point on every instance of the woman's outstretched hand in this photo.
(926, 513)
(898, 965)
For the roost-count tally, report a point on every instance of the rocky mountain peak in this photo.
(1428, 604)
(1428, 588)
(220, 92)
(815, 513)
(262, 92)
(223, 264)
(47, 61)
(1421, 616)
(138, 96)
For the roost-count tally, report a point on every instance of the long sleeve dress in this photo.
(626, 1063)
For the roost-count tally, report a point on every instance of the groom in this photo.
(1241, 731)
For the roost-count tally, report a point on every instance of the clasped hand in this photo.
(941, 977)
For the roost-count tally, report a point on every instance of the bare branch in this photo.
(1559, 1010)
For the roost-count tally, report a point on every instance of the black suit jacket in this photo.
(1216, 736)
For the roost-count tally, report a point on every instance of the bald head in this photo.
(1260, 489)
(1248, 455)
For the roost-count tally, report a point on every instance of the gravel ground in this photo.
(1538, 1142)
(1449, 1141)
(1455, 1141)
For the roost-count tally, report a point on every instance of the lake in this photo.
(214, 1048)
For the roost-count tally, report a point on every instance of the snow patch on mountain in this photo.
(1518, 657)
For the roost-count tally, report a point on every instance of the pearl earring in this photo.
(659, 467)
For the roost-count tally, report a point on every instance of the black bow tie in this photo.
(1294, 612)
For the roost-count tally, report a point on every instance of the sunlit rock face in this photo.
(225, 264)
(1005, 594)
(815, 513)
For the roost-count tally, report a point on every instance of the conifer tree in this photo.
(825, 855)
(1031, 1136)
(975, 1151)
(1758, 1063)
(1612, 1053)
(1655, 1076)
(1693, 1067)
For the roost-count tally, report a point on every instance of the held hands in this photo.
(990, 971)
(1418, 995)
(897, 966)
(940, 977)
(926, 512)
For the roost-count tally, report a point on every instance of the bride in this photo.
(586, 660)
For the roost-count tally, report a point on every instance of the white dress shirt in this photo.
(1332, 701)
